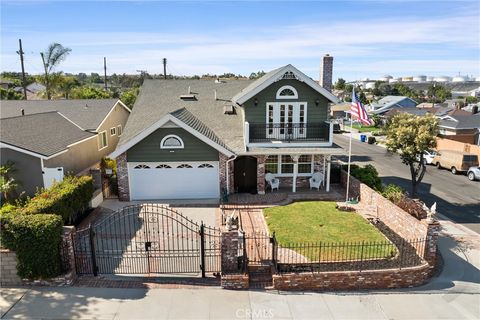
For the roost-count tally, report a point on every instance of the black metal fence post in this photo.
(245, 257)
(202, 249)
(92, 250)
(274, 250)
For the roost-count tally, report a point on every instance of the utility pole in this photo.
(165, 68)
(24, 82)
(105, 72)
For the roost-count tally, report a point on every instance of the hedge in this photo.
(68, 199)
(367, 175)
(36, 240)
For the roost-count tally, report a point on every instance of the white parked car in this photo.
(428, 156)
(473, 173)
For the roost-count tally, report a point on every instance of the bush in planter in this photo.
(393, 193)
(371, 140)
(36, 240)
(68, 198)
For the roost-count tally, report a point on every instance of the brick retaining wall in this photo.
(397, 219)
(354, 280)
(8, 268)
(235, 281)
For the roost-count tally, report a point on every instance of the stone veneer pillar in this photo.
(229, 245)
(122, 177)
(261, 174)
(222, 167)
(432, 239)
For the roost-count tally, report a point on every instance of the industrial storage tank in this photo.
(460, 79)
(442, 79)
(386, 78)
(420, 78)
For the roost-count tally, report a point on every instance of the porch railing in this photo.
(289, 132)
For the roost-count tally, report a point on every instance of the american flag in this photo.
(357, 110)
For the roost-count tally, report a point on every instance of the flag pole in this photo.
(349, 156)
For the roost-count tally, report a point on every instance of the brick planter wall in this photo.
(8, 268)
(235, 281)
(397, 219)
(354, 280)
(122, 177)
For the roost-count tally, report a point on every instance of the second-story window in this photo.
(287, 92)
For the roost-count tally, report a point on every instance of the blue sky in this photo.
(366, 38)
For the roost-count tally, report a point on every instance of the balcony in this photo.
(261, 133)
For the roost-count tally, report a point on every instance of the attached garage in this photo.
(174, 180)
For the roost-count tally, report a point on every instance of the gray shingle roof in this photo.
(462, 122)
(189, 119)
(160, 97)
(87, 114)
(43, 133)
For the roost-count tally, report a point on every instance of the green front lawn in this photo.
(320, 222)
(363, 128)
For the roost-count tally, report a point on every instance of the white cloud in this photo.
(367, 46)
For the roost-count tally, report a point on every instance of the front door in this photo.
(245, 176)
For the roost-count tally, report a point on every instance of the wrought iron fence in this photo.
(266, 132)
(344, 256)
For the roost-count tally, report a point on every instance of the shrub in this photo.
(393, 193)
(377, 133)
(108, 163)
(367, 175)
(371, 140)
(36, 240)
(68, 198)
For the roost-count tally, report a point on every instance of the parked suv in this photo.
(473, 173)
(455, 161)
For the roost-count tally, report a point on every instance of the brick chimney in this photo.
(326, 72)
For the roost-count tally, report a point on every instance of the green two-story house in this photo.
(194, 139)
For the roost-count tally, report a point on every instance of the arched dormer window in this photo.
(171, 142)
(287, 92)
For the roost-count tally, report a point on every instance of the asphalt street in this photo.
(457, 198)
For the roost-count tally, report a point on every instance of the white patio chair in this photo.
(316, 180)
(274, 182)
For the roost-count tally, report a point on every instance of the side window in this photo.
(102, 140)
(113, 131)
(119, 130)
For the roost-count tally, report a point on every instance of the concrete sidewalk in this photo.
(452, 295)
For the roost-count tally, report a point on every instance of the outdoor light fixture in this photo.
(255, 102)
(317, 102)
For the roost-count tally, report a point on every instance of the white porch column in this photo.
(329, 164)
(295, 172)
(324, 165)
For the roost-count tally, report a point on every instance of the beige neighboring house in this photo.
(341, 110)
(47, 139)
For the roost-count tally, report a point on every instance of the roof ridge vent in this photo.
(188, 97)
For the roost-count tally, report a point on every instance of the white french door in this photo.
(286, 119)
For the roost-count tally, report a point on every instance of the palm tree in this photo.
(51, 58)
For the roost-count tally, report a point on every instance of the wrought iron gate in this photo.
(147, 239)
(260, 248)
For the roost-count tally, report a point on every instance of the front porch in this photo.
(285, 195)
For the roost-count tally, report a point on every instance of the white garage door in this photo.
(173, 180)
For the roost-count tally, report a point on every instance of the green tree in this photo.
(340, 84)
(66, 85)
(8, 184)
(471, 99)
(438, 93)
(256, 75)
(411, 136)
(128, 97)
(88, 92)
(10, 94)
